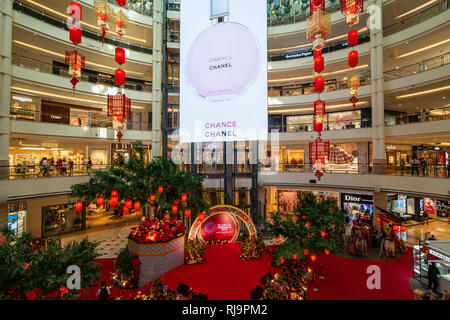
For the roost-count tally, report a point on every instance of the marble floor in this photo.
(440, 229)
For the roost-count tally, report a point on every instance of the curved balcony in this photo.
(60, 24)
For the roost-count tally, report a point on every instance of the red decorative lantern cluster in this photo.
(76, 62)
(318, 151)
(119, 107)
(104, 12)
(351, 9)
(318, 24)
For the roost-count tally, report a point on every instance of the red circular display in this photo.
(219, 227)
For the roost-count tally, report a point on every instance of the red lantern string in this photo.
(99, 201)
(137, 206)
(187, 213)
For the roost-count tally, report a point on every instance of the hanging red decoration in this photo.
(76, 62)
(277, 239)
(160, 189)
(100, 201)
(121, 2)
(174, 209)
(201, 217)
(351, 9)
(402, 228)
(113, 201)
(378, 219)
(152, 197)
(75, 34)
(104, 13)
(313, 257)
(119, 107)
(120, 55)
(323, 234)
(353, 58)
(315, 5)
(129, 204)
(183, 197)
(319, 114)
(126, 209)
(395, 228)
(352, 38)
(114, 193)
(327, 252)
(317, 53)
(137, 206)
(78, 206)
(318, 64)
(119, 77)
(319, 84)
(318, 151)
(187, 213)
(305, 251)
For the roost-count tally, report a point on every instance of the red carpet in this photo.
(225, 277)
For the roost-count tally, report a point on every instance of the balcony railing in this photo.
(422, 66)
(417, 18)
(423, 116)
(84, 120)
(34, 170)
(143, 7)
(60, 23)
(90, 76)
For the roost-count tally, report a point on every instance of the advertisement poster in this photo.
(223, 70)
(219, 227)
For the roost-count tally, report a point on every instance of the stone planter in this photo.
(157, 258)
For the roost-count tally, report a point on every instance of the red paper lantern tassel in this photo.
(353, 38)
(319, 84)
(353, 58)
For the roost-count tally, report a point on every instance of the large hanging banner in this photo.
(223, 70)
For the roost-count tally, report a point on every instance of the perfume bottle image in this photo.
(224, 60)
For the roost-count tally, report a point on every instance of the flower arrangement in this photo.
(126, 270)
(252, 248)
(217, 242)
(159, 291)
(194, 252)
(157, 230)
(290, 283)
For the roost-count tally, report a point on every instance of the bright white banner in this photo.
(223, 70)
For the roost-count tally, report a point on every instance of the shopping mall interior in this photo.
(387, 158)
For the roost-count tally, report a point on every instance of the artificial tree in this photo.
(138, 180)
(316, 226)
(42, 273)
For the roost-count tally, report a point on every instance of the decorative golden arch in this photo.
(233, 211)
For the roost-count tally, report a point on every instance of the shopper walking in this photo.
(89, 166)
(103, 293)
(415, 166)
(64, 167)
(433, 274)
(71, 167)
(402, 166)
(423, 164)
(425, 218)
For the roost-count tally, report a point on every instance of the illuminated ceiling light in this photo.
(422, 92)
(308, 45)
(415, 9)
(325, 74)
(83, 23)
(63, 57)
(423, 49)
(42, 93)
(336, 106)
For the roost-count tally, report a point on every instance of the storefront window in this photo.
(79, 118)
(60, 219)
(359, 207)
(342, 158)
(287, 200)
(344, 120)
(299, 123)
(24, 107)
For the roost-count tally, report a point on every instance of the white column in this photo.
(157, 77)
(377, 75)
(5, 81)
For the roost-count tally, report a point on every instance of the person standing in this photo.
(402, 166)
(423, 164)
(433, 274)
(71, 167)
(425, 218)
(103, 293)
(89, 166)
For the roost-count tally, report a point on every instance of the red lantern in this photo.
(113, 201)
(327, 252)
(177, 201)
(100, 201)
(79, 206)
(119, 77)
(402, 228)
(318, 64)
(308, 224)
(137, 206)
(201, 216)
(323, 234)
(353, 58)
(152, 197)
(76, 62)
(174, 209)
(119, 107)
(126, 210)
(305, 251)
(395, 228)
(277, 239)
(160, 189)
(319, 84)
(353, 38)
(120, 55)
(317, 53)
(313, 257)
(187, 213)
(75, 34)
(319, 113)
(129, 204)
(121, 2)
(183, 197)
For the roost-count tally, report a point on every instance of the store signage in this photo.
(49, 145)
(223, 70)
(352, 198)
(347, 197)
(439, 255)
(391, 148)
(219, 227)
